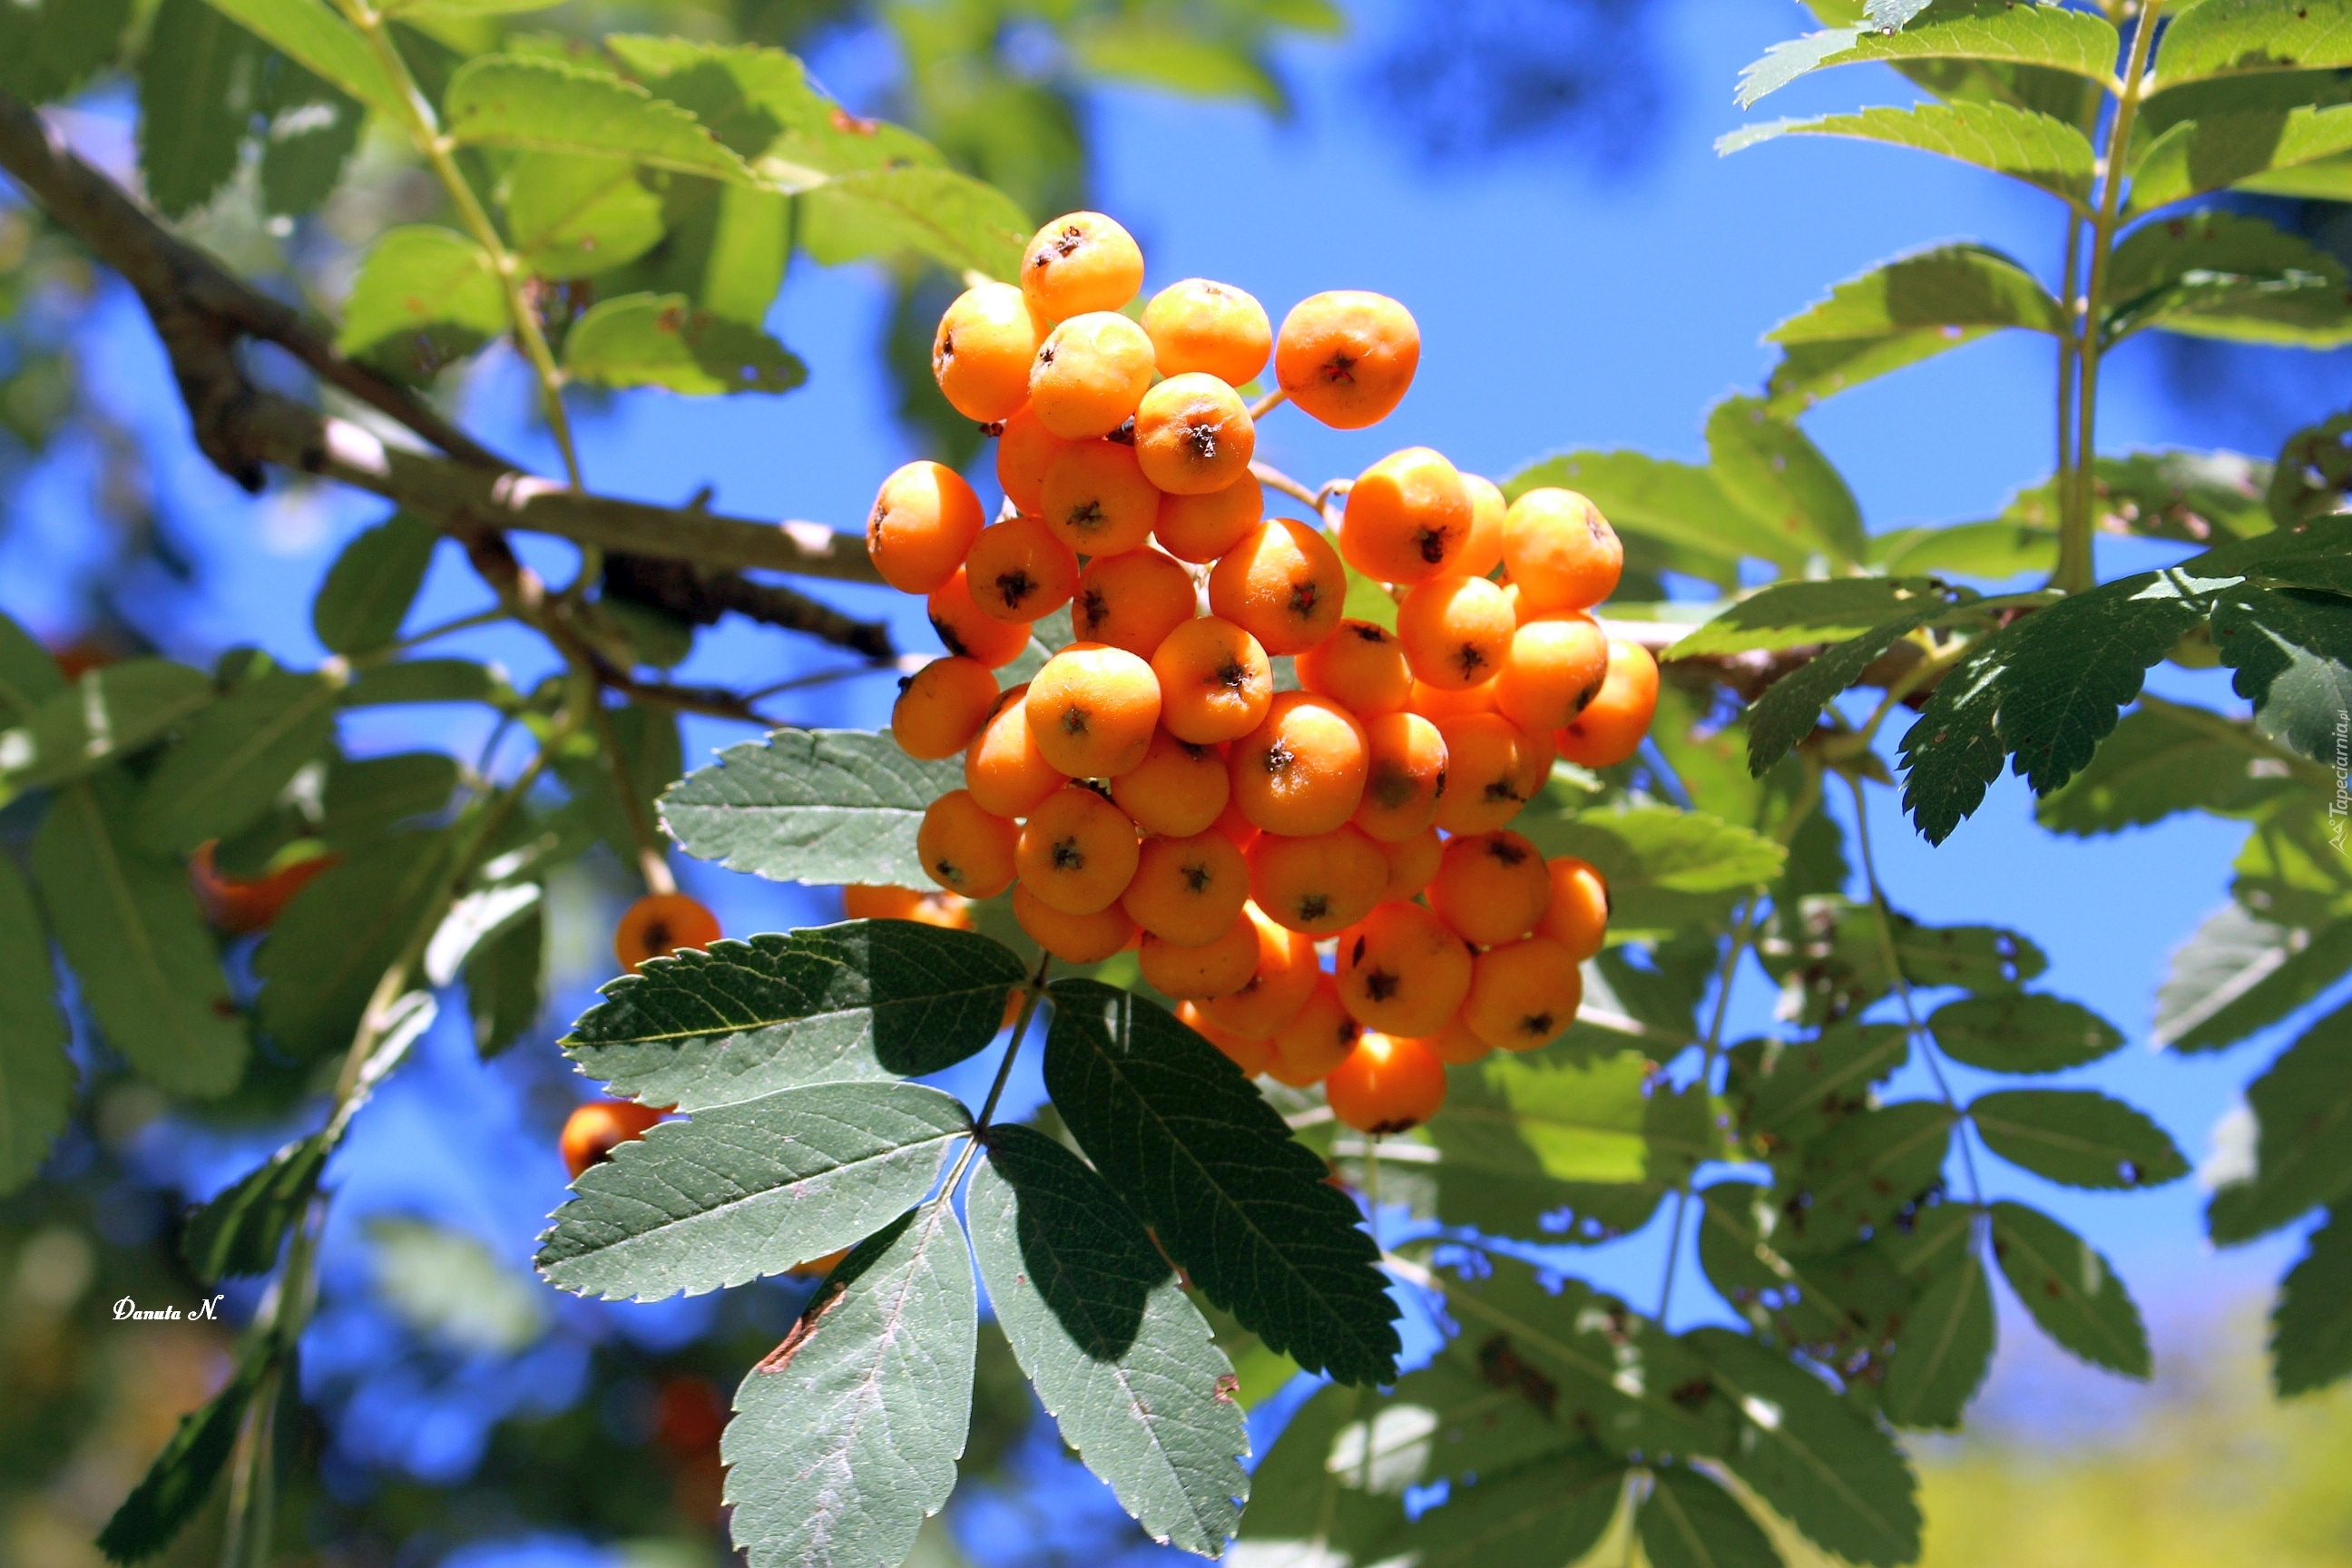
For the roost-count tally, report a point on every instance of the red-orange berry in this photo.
(968, 631)
(1002, 768)
(1490, 888)
(980, 353)
(1412, 864)
(1284, 584)
(1132, 600)
(1402, 970)
(1252, 1056)
(1197, 325)
(1089, 375)
(1023, 452)
(1386, 1085)
(1610, 727)
(659, 924)
(1077, 852)
(1522, 994)
(1302, 770)
(1408, 518)
(941, 706)
(1286, 974)
(1193, 436)
(1319, 886)
(1347, 357)
(1093, 710)
(1577, 915)
(1081, 262)
(1484, 552)
(1019, 571)
(1562, 551)
(1215, 682)
(1200, 529)
(1493, 769)
(594, 1130)
(1097, 500)
(1188, 891)
(945, 911)
(1554, 667)
(922, 525)
(965, 849)
(1456, 631)
(1361, 667)
(1404, 776)
(1072, 939)
(1178, 789)
(1317, 1038)
(1218, 967)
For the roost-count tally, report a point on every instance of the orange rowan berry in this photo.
(1019, 571)
(1188, 891)
(980, 353)
(1302, 770)
(1555, 667)
(1093, 710)
(1490, 886)
(1456, 631)
(1346, 357)
(1200, 529)
(1436, 703)
(1408, 518)
(1577, 915)
(1023, 450)
(1089, 375)
(1097, 500)
(1216, 683)
(1522, 994)
(1317, 1038)
(594, 1130)
(1215, 328)
(1076, 853)
(1405, 774)
(1217, 967)
(659, 924)
(1252, 1056)
(1454, 1045)
(1360, 666)
(1284, 584)
(1193, 436)
(1319, 885)
(1178, 789)
(1002, 768)
(235, 906)
(945, 911)
(1402, 970)
(1489, 764)
(1610, 727)
(1413, 863)
(1484, 551)
(1560, 551)
(1079, 262)
(1386, 1085)
(1285, 977)
(941, 706)
(1132, 600)
(1536, 755)
(966, 850)
(1072, 939)
(922, 525)
(967, 631)
(1231, 823)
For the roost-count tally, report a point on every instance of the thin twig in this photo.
(1267, 405)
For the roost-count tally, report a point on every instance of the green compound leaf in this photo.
(661, 340)
(111, 712)
(310, 32)
(846, 1436)
(176, 1485)
(234, 758)
(1835, 1306)
(1996, 550)
(2039, 150)
(2249, 37)
(2078, 1137)
(36, 1077)
(2224, 275)
(2239, 971)
(868, 999)
(2292, 655)
(1554, 1510)
(1944, 1351)
(2162, 760)
(1240, 1207)
(2311, 1328)
(335, 938)
(195, 98)
(810, 806)
(1793, 705)
(2022, 1033)
(1796, 1091)
(1098, 1321)
(1688, 1520)
(740, 1192)
(426, 298)
(1308, 1510)
(1868, 1168)
(1772, 469)
(372, 583)
(2302, 1106)
(239, 1231)
(2071, 1290)
(540, 105)
(2076, 42)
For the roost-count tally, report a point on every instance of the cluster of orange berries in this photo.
(1150, 785)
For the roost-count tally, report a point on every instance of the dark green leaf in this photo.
(240, 1230)
(1855, 1179)
(314, 128)
(368, 796)
(575, 217)
(1835, 1306)
(2037, 149)
(2077, 1136)
(36, 1077)
(372, 583)
(1944, 1351)
(2163, 759)
(2311, 1328)
(2080, 44)
(1552, 1511)
(2292, 653)
(1772, 470)
(2239, 971)
(334, 940)
(28, 676)
(650, 759)
(2225, 275)
(195, 96)
(2254, 36)
(540, 105)
(48, 49)
(426, 298)
(2071, 1289)
(846, 1435)
(234, 758)
(2302, 1106)
(1120, 1358)
(506, 983)
(2022, 1033)
(1447, 1421)
(810, 806)
(1793, 705)
(870, 999)
(1797, 1091)
(1796, 615)
(1185, 1139)
(177, 1483)
(1690, 1521)
(109, 712)
(310, 31)
(427, 680)
(1307, 1512)
(661, 340)
(1980, 958)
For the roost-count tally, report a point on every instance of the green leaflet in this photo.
(111, 712)
(868, 999)
(506, 985)
(239, 1231)
(373, 582)
(1799, 614)
(938, 214)
(335, 939)
(1553, 1511)
(574, 216)
(1677, 504)
(234, 758)
(1996, 550)
(196, 94)
(1666, 868)
(2071, 1290)
(2238, 972)
(742, 1191)
(367, 796)
(48, 49)
(36, 1077)
(314, 128)
(2076, 1136)
(1305, 1510)
(28, 676)
(1836, 1305)
(810, 806)
(2254, 36)
(2228, 148)
(426, 298)
(428, 680)
(846, 1435)
(2022, 1033)
(1869, 1166)
(2223, 274)
(2292, 655)
(1772, 469)
(646, 739)
(1798, 1090)
(2076, 42)
(1688, 1520)
(1536, 1145)
(1447, 1421)
(452, 1289)
(1240, 1207)
(2311, 1327)
(1793, 705)
(176, 1485)
(2301, 1105)
(2160, 760)
(661, 340)
(540, 105)
(310, 32)
(1100, 1323)
(2039, 150)
(1944, 1351)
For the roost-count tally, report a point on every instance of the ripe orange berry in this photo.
(1408, 518)
(1454, 1045)
(1560, 551)
(1188, 891)
(1002, 768)
(1252, 1056)
(1215, 328)
(967, 631)
(236, 905)
(1412, 864)
(1490, 888)
(941, 706)
(1079, 262)
(1405, 774)
(1610, 727)
(948, 912)
(1317, 1038)
(1488, 764)
(1072, 939)
(594, 1129)
(1088, 375)
(1023, 452)
(1193, 436)
(1284, 584)
(1555, 667)
(922, 525)
(1178, 789)
(1484, 551)
(1402, 970)
(1285, 977)
(966, 850)
(1523, 994)
(1347, 357)
(1577, 915)
(659, 924)
(1097, 500)
(1076, 853)
(1537, 755)
(1093, 710)
(1386, 1085)
(1132, 600)
(1320, 885)
(1438, 704)
(1456, 631)
(1218, 967)
(980, 353)
(1360, 666)
(1019, 571)
(1231, 823)
(1216, 683)
(1200, 529)
(1302, 770)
